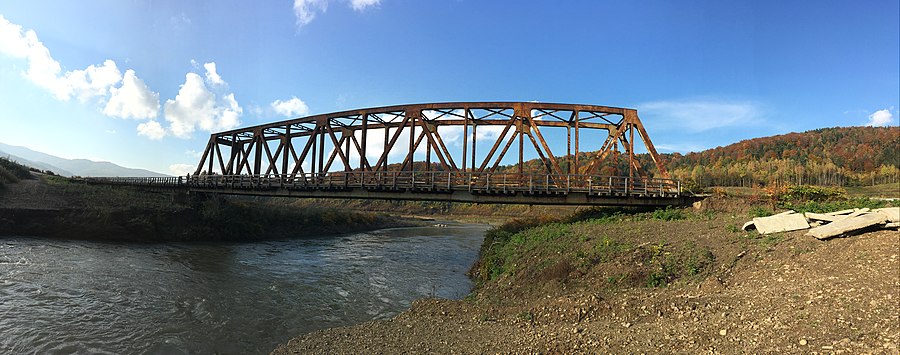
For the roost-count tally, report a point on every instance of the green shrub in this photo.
(19, 171)
(7, 176)
(668, 214)
(804, 193)
(760, 212)
(831, 206)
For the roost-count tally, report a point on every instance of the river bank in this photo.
(664, 281)
(54, 207)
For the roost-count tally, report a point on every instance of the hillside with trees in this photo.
(844, 156)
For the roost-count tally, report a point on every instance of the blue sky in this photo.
(143, 83)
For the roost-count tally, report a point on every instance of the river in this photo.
(65, 297)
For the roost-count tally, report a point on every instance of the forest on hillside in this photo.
(843, 156)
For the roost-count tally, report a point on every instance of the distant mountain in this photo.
(70, 167)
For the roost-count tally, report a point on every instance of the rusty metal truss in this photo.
(469, 138)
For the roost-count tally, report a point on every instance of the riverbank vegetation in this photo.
(52, 206)
(11, 172)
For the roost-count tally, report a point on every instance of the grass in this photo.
(820, 199)
(669, 214)
(760, 212)
(670, 262)
(11, 172)
(537, 251)
(766, 242)
(879, 191)
(831, 206)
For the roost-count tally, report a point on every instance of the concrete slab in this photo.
(748, 226)
(780, 223)
(841, 212)
(892, 213)
(822, 217)
(848, 225)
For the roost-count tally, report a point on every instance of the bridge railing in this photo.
(167, 181)
(445, 181)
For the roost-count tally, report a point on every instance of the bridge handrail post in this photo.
(626, 185)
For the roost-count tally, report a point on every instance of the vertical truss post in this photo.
(465, 143)
(365, 131)
(259, 139)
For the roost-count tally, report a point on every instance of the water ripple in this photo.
(72, 297)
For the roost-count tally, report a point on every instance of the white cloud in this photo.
(44, 71)
(212, 76)
(93, 81)
(881, 118)
(360, 5)
(151, 129)
(699, 115)
(306, 10)
(199, 104)
(132, 100)
(290, 108)
(13, 40)
(196, 106)
(182, 169)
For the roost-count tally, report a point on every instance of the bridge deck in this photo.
(475, 187)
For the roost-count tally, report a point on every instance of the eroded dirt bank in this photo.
(639, 284)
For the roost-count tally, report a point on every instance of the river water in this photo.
(64, 297)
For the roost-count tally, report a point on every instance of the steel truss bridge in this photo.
(459, 152)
